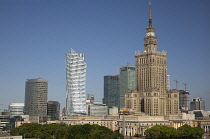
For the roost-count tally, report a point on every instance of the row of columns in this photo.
(206, 128)
(177, 124)
(131, 131)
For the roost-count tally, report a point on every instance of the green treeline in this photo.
(62, 131)
(165, 132)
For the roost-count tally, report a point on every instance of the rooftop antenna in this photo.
(150, 13)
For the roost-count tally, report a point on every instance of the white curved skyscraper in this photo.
(75, 87)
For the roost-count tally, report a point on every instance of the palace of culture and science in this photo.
(152, 96)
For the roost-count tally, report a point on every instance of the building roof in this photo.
(37, 80)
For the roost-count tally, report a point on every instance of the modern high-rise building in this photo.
(183, 100)
(16, 109)
(197, 104)
(111, 91)
(53, 110)
(127, 80)
(36, 91)
(152, 95)
(75, 84)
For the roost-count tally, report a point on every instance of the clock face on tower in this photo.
(150, 34)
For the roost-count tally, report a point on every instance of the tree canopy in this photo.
(165, 132)
(161, 132)
(62, 131)
(187, 131)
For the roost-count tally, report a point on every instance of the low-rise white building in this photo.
(113, 111)
(97, 109)
(16, 109)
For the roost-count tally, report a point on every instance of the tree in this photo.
(161, 132)
(153, 132)
(61, 131)
(187, 131)
(164, 132)
(30, 130)
(198, 131)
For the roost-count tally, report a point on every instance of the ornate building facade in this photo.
(152, 95)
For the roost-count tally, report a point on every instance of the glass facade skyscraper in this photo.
(127, 82)
(111, 91)
(53, 110)
(75, 83)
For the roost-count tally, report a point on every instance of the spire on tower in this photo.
(150, 14)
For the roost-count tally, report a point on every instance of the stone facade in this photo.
(172, 101)
(152, 95)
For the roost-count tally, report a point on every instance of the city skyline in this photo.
(35, 36)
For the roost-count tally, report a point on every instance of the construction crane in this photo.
(176, 84)
(185, 86)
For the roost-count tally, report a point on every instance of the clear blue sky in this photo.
(35, 35)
